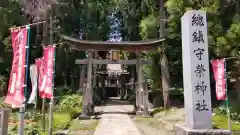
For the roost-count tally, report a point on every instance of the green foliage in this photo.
(63, 91)
(70, 102)
(176, 93)
(29, 129)
(12, 130)
(61, 121)
(10, 16)
(222, 123)
(222, 110)
(152, 72)
(137, 20)
(88, 17)
(227, 44)
(148, 27)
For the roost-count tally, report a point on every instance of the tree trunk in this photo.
(165, 79)
(163, 59)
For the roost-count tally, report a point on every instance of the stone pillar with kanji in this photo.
(197, 91)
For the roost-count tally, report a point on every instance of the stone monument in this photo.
(197, 92)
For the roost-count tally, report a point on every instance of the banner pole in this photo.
(43, 114)
(43, 99)
(51, 104)
(227, 100)
(22, 109)
(52, 100)
(31, 24)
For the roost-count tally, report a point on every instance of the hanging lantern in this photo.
(115, 55)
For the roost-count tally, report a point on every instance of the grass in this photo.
(222, 122)
(61, 120)
(219, 121)
(158, 110)
(77, 124)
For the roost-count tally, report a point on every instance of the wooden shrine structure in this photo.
(94, 46)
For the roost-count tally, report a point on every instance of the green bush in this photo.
(222, 110)
(29, 129)
(176, 93)
(61, 120)
(70, 102)
(12, 130)
(74, 112)
(63, 91)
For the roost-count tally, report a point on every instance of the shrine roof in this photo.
(108, 45)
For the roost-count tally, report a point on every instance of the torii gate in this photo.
(136, 46)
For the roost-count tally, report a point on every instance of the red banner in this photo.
(47, 79)
(15, 96)
(219, 76)
(39, 64)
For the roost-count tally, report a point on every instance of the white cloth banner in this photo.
(34, 81)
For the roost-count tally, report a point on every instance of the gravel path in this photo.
(115, 120)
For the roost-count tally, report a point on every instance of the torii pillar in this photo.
(82, 77)
(88, 108)
(141, 100)
(139, 85)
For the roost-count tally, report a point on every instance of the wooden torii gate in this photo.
(134, 46)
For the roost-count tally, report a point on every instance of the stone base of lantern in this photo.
(87, 112)
(184, 130)
(142, 114)
(139, 113)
